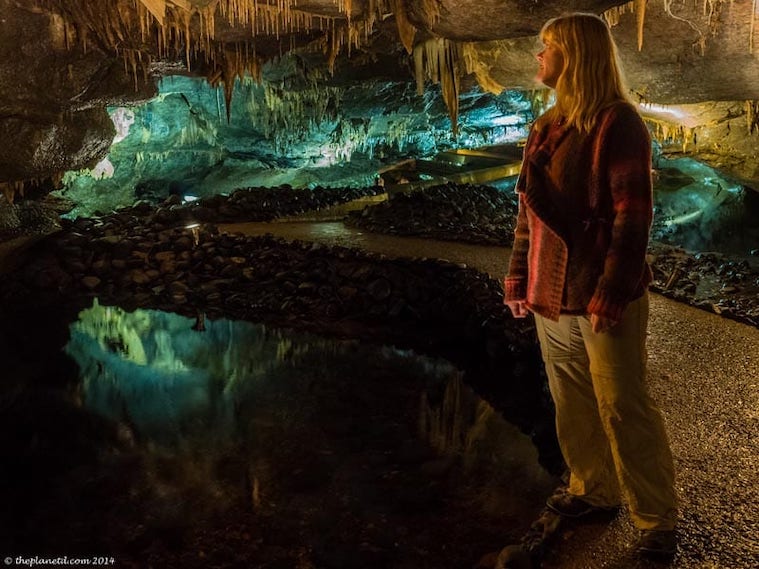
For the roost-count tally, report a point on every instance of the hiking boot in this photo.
(571, 506)
(657, 542)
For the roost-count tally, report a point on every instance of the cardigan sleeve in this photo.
(626, 144)
(515, 283)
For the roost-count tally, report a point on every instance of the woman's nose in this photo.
(539, 55)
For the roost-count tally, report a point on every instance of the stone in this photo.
(91, 282)
(163, 256)
(139, 277)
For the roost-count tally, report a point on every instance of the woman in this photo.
(578, 264)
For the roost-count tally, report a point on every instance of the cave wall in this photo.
(53, 96)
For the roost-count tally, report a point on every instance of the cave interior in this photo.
(171, 356)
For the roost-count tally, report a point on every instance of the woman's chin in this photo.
(544, 81)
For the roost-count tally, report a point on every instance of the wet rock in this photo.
(74, 266)
(163, 256)
(179, 287)
(139, 277)
(91, 282)
(347, 292)
(307, 288)
(380, 289)
(513, 557)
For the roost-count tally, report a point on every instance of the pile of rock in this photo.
(249, 204)
(718, 283)
(456, 212)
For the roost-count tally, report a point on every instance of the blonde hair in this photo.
(592, 77)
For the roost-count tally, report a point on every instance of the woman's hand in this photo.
(518, 308)
(601, 323)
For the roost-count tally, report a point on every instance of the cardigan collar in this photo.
(545, 143)
(539, 149)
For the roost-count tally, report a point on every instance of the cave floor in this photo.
(703, 372)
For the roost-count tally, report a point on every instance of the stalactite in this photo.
(286, 116)
(189, 27)
(446, 427)
(11, 189)
(406, 29)
(479, 60)
(449, 82)
(58, 32)
(157, 8)
(440, 59)
(135, 63)
(197, 130)
(208, 23)
(672, 133)
(638, 7)
(431, 11)
(612, 15)
(230, 76)
(640, 15)
(333, 44)
(145, 22)
(419, 70)
(754, 11)
(116, 330)
(752, 116)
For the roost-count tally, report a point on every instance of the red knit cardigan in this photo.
(609, 268)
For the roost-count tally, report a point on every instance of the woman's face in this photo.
(551, 64)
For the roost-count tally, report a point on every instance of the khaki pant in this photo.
(610, 431)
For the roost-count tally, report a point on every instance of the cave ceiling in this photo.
(694, 65)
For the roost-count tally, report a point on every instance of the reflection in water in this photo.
(456, 422)
(170, 383)
(326, 435)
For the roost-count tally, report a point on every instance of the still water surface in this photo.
(352, 454)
